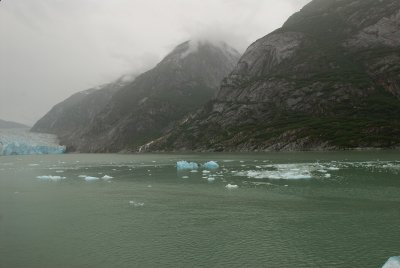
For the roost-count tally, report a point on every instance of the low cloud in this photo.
(55, 48)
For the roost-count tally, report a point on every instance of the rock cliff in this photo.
(329, 78)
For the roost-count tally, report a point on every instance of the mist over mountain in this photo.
(137, 112)
(9, 124)
(328, 79)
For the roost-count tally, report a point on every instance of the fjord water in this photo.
(290, 210)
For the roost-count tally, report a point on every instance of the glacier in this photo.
(24, 142)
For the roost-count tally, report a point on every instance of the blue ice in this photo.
(393, 262)
(211, 165)
(184, 165)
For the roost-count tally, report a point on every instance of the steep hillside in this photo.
(144, 109)
(328, 79)
(69, 118)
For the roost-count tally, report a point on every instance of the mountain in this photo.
(8, 124)
(69, 118)
(146, 108)
(329, 78)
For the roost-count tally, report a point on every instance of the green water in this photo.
(287, 211)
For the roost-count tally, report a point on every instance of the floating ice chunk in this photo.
(275, 175)
(393, 262)
(50, 178)
(210, 179)
(184, 165)
(231, 186)
(106, 177)
(333, 168)
(89, 178)
(327, 175)
(205, 171)
(322, 171)
(59, 171)
(194, 171)
(33, 165)
(211, 165)
(136, 204)
(185, 177)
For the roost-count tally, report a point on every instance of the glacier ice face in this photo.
(393, 262)
(211, 165)
(23, 142)
(184, 165)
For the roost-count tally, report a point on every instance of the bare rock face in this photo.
(328, 79)
(145, 108)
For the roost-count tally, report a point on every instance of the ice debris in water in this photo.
(23, 142)
(210, 179)
(89, 178)
(231, 186)
(136, 204)
(184, 165)
(211, 165)
(106, 177)
(50, 178)
(393, 262)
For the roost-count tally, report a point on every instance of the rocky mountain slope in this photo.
(69, 118)
(329, 78)
(144, 109)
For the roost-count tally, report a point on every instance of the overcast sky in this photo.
(50, 49)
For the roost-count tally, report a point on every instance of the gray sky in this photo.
(50, 49)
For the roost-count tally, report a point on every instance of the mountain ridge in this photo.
(327, 79)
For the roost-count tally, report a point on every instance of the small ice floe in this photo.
(184, 165)
(210, 179)
(327, 175)
(231, 186)
(136, 204)
(211, 165)
(206, 171)
(322, 171)
(59, 171)
(50, 178)
(149, 186)
(286, 185)
(185, 177)
(106, 177)
(392, 262)
(333, 168)
(33, 165)
(194, 171)
(90, 178)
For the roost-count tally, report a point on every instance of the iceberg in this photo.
(89, 178)
(393, 262)
(50, 178)
(231, 186)
(23, 142)
(184, 165)
(211, 165)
